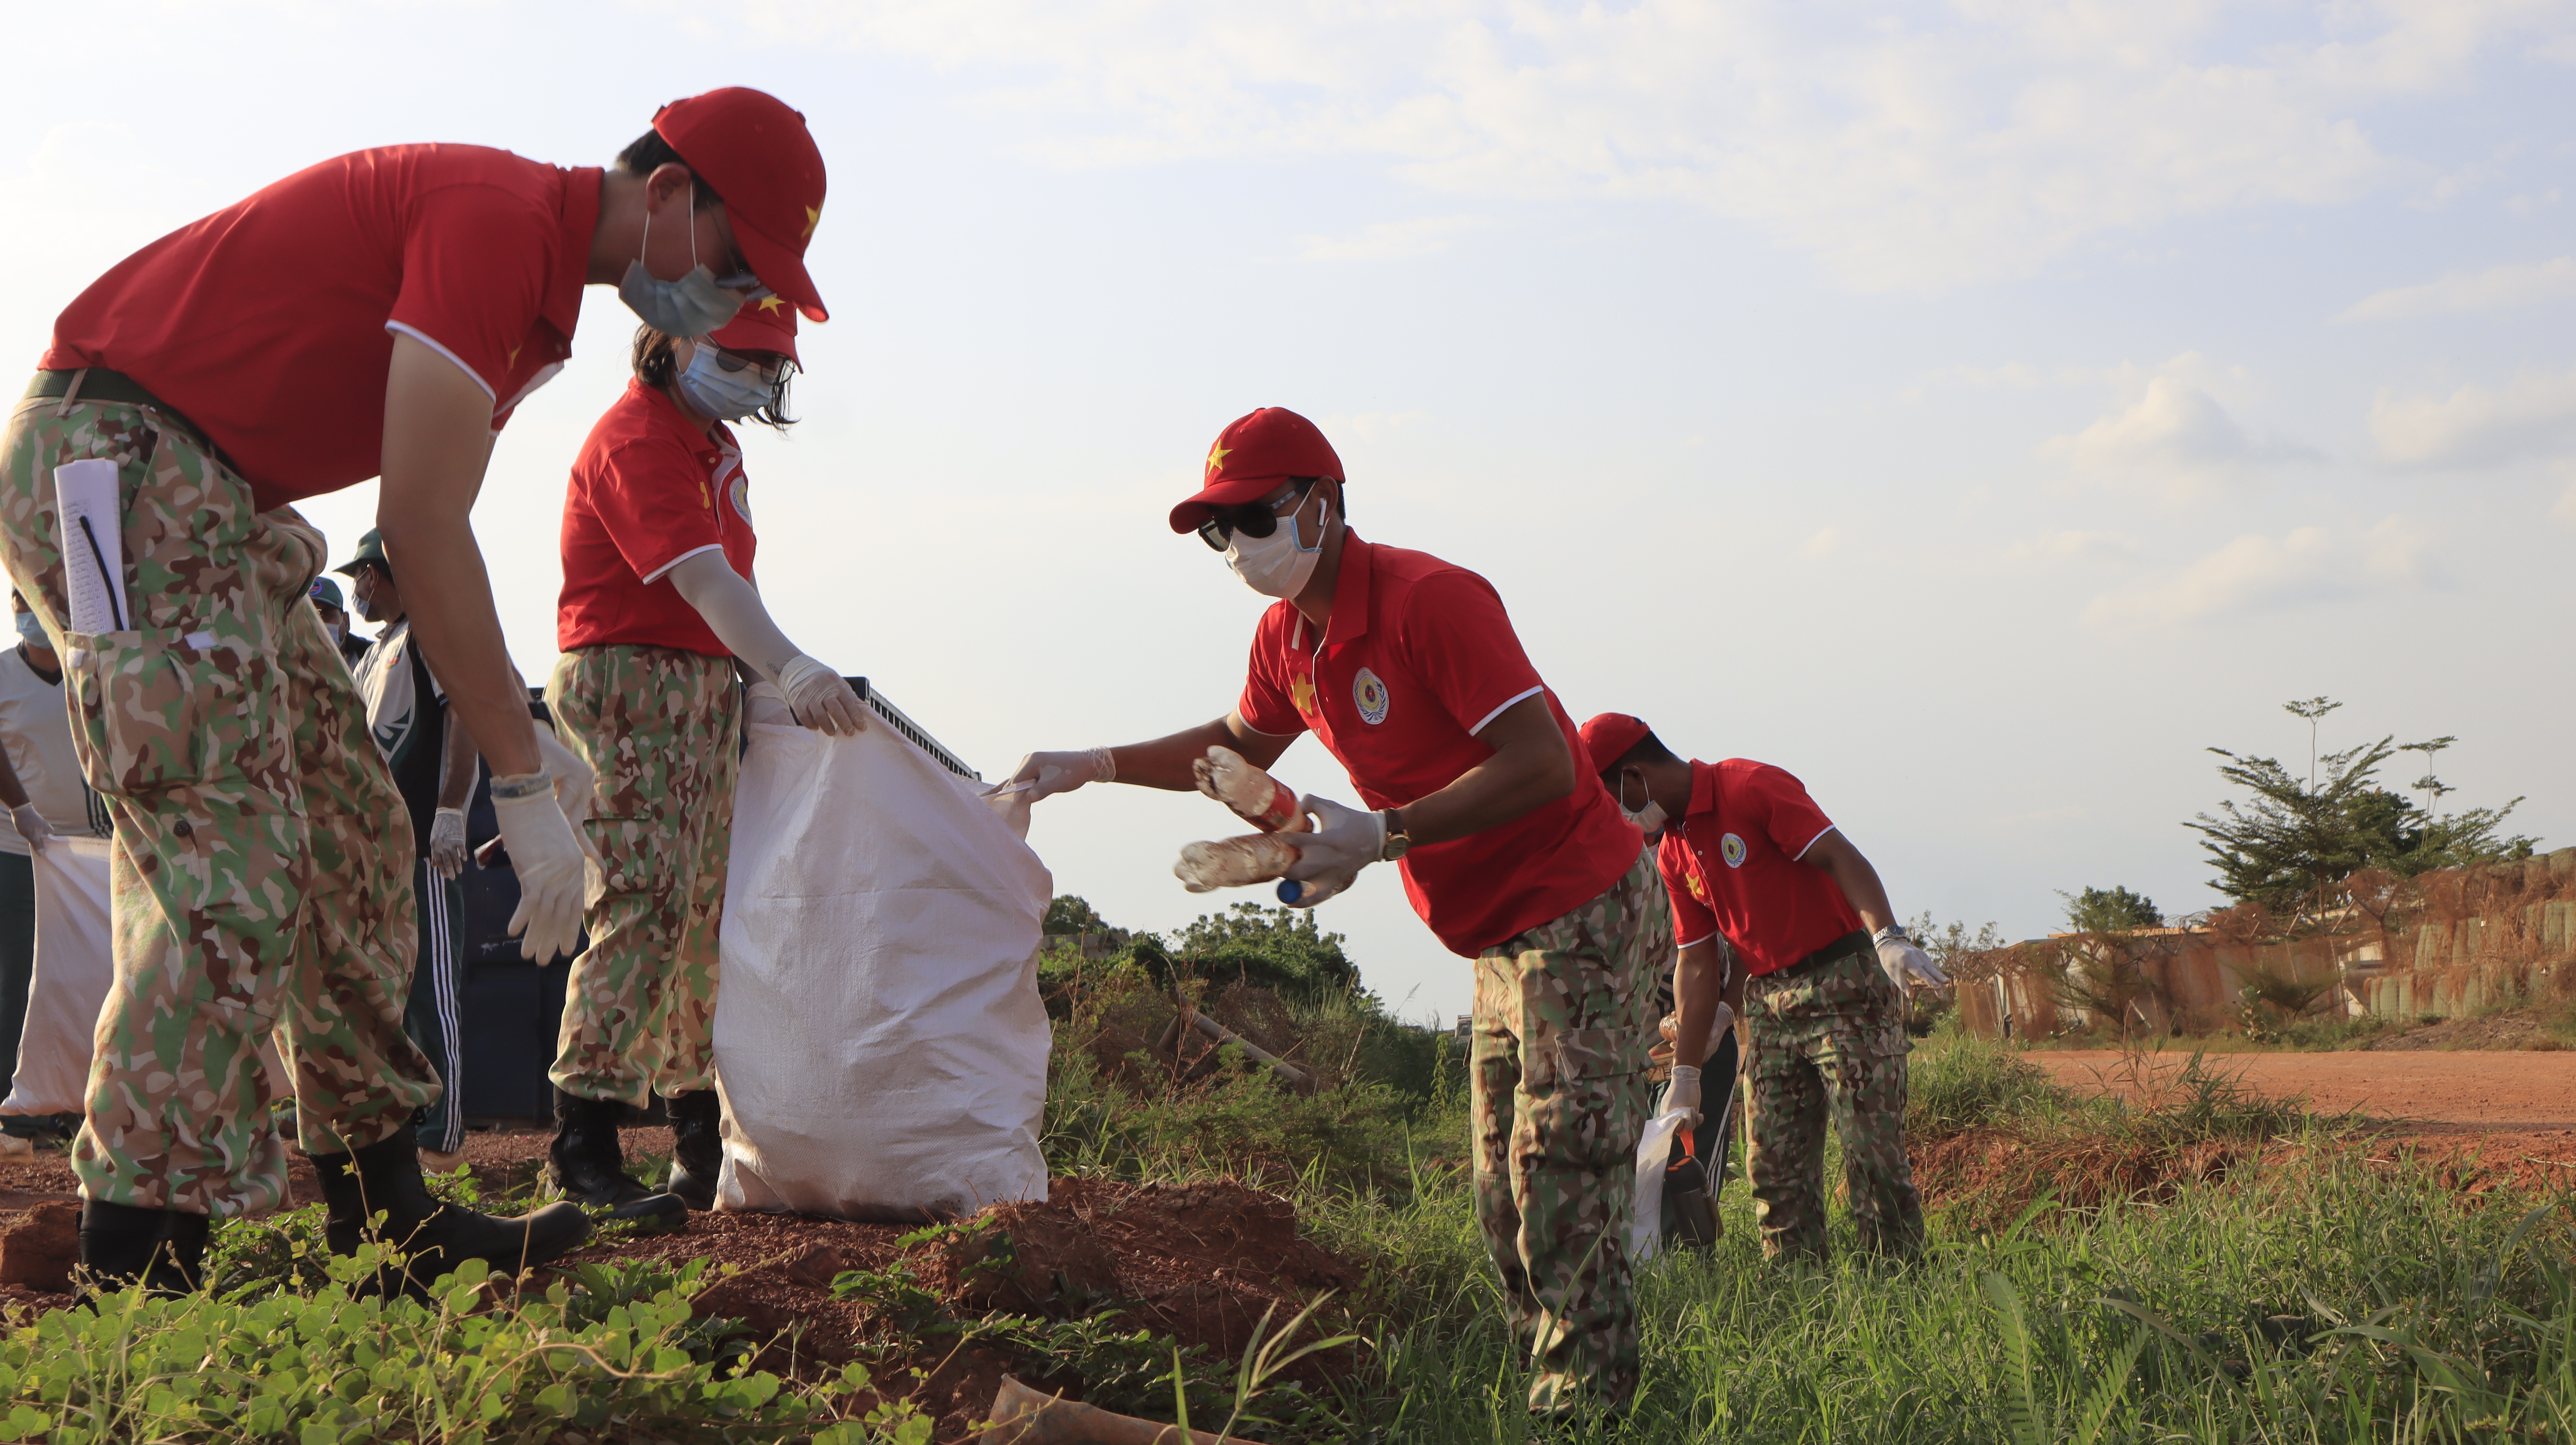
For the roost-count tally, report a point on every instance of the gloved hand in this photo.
(1345, 840)
(821, 698)
(32, 826)
(1898, 956)
(1051, 773)
(576, 786)
(1684, 1093)
(447, 842)
(547, 853)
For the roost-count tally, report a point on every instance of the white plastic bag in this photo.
(879, 1039)
(1654, 1152)
(75, 966)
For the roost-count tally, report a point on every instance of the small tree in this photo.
(2112, 910)
(1070, 914)
(2289, 845)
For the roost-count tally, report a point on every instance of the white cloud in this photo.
(2174, 431)
(1388, 240)
(2493, 289)
(2259, 574)
(1928, 148)
(2533, 415)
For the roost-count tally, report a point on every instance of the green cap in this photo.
(371, 548)
(327, 592)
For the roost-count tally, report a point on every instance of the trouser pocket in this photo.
(141, 703)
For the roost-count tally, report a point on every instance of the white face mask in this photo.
(1651, 818)
(1280, 564)
(31, 631)
(691, 306)
(724, 395)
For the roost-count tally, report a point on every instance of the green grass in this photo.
(2320, 1301)
(2312, 1296)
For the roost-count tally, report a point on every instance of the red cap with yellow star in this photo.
(758, 155)
(1252, 456)
(768, 324)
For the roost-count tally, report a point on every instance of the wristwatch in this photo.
(1398, 841)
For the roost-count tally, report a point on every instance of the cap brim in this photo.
(350, 568)
(751, 329)
(1232, 492)
(779, 269)
(1615, 732)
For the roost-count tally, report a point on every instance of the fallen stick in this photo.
(1023, 1416)
(1224, 1035)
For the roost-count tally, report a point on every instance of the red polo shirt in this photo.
(648, 492)
(269, 323)
(1732, 867)
(1419, 656)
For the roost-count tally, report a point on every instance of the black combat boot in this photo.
(121, 1245)
(384, 1177)
(587, 1165)
(697, 1146)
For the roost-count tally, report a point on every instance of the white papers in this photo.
(93, 537)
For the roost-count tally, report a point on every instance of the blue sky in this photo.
(1977, 409)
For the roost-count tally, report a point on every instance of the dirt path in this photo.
(2439, 1092)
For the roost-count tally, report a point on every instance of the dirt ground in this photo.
(1203, 1263)
(2430, 1092)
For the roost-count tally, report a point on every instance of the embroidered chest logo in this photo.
(742, 497)
(1301, 693)
(1370, 696)
(1731, 848)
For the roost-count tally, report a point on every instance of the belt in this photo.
(98, 383)
(1854, 942)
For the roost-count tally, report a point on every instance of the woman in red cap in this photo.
(379, 314)
(1407, 669)
(658, 614)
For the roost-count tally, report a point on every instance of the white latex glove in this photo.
(1898, 956)
(32, 826)
(1684, 1093)
(547, 853)
(447, 842)
(821, 698)
(1345, 840)
(1048, 774)
(575, 784)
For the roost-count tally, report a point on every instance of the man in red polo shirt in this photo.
(1749, 856)
(1407, 669)
(381, 313)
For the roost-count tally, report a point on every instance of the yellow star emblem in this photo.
(1301, 692)
(1216, 457)
(813, 218)
(514, 357)
(1698, 889)
(772, 303)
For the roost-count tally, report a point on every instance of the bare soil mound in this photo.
(2523, 1029)
(1201, 1263)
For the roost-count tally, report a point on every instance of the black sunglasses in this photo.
(1252, 519)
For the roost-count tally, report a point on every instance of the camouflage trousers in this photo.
(1564, 1015)
(258, 888)
(663, 728)
(1830, 1040)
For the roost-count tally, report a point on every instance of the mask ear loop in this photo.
(1297, 534)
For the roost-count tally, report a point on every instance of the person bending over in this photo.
(1748, 858)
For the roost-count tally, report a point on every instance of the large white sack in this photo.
(879, 1039)
(75, 965)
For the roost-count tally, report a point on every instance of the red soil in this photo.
(1201, 1263)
